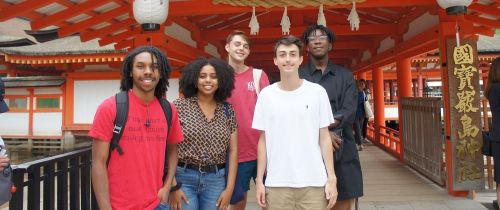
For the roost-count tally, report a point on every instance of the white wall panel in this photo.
(212, 50)
(14, 124)
(47, 124)
(420, 25)
(385, 44)
(88, 95)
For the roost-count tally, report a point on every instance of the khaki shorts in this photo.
(287, 198)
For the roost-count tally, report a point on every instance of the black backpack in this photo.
(122, 103)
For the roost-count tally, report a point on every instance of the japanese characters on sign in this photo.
(467, 147)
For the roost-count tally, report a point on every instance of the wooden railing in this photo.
(61, 181)
(388, 139)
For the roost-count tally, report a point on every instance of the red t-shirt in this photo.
(136, 176)
(243, 98)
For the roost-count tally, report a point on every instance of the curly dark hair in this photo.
(191, 72)
(311, 30)
(126, 82)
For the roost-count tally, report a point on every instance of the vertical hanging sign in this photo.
(465, 115)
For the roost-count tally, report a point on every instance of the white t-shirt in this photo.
(291, 121)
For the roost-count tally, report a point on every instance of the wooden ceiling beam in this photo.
(119, 37)
(419, 44)
(338, 45)
(21, 9)
(380, 13)
(273, 33)
(201, 18)
(84, 25)
(191, 53)
(270, 56)
(86, 36)
(68, 13)
(217, 19)
(227, 24)
(128, 43)
(206, 7)
(485, 9)
(364, 17)
(486, 31)
(483, 21)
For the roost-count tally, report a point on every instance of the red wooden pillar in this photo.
(378, 103)
(404, 90)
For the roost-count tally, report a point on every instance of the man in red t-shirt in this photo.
(243, 98)
(133, 180)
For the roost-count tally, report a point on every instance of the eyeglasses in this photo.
(320, 38)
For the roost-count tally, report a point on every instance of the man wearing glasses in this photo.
(341, 89)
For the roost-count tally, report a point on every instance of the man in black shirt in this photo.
(342, 92)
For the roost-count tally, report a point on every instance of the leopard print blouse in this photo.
(205, 141)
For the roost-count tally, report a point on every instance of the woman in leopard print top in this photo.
(209, 127)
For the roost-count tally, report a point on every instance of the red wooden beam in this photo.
(485, 31)
(340, 30)
(84, 25)
(338, 45)
(195, 30)
(66, 14)
(22, 8)
(380, 13)
(484, 9)
(483, 21)
(206, 7)
(127, 23)
(128, 43)
(228, 23)
(119, 37)
(424, 42)
(181, 48)
(334, 54)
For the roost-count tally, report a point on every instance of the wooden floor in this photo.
(389, 184)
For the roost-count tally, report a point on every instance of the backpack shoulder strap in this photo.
(121, 99)
(256, 79)
(167, 110)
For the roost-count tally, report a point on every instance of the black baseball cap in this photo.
(3, 105)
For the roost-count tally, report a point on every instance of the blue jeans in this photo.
(201, 189)
(162, 206)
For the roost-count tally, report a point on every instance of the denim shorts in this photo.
(202, 189)
(246, 171)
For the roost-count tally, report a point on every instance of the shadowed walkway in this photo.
(389, 184)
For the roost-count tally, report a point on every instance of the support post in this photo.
(404, 90)
(378, 103)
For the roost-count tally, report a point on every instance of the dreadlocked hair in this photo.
(126, 82)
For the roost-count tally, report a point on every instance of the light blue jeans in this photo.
(202, 189)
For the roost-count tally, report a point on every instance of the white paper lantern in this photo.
(150, 13)
(454, 7)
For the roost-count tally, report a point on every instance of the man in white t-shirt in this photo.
(294, 147)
